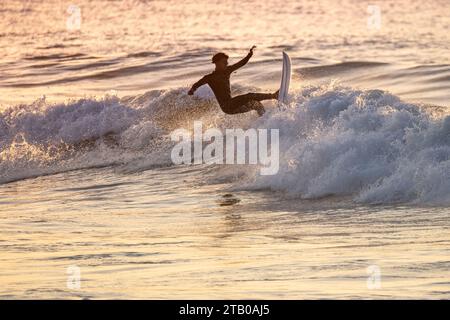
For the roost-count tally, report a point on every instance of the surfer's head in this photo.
(220, 60)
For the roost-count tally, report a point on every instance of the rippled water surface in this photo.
(66, 49)
(148, 236)
(361, 203)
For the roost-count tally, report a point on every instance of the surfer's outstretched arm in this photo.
(198, 84)
(241, 63)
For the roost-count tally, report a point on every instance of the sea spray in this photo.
(367, 144)
(333, 140)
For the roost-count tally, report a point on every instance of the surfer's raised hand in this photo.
(251, 50)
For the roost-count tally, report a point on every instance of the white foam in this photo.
(333, 141)
(368, 144)
(42, 138)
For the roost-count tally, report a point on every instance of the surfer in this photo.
(219, 82)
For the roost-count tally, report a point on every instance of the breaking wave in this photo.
(366, 144)
(333, 141)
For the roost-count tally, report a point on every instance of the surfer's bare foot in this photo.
(260, 109)
(275, 94)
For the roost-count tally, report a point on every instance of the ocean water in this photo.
(91, 90)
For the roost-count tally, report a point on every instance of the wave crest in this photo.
(334, 140)
(367, 144)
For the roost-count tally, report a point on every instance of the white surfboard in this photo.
(285, 79)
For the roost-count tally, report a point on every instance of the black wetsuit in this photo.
(219, 81)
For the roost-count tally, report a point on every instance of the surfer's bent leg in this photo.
(247, 102)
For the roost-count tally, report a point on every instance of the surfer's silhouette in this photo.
(219, 82)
